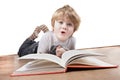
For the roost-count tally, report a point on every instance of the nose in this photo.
(64, 26)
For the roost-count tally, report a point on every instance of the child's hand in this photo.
(59, 51)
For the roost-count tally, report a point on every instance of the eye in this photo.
(69, 24)
(61, 22)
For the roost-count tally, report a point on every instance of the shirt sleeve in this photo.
(70, 44)
(43, 46)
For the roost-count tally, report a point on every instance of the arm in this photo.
(43, 45)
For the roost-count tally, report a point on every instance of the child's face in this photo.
(63, 29)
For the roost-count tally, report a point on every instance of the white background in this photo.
(99, 27)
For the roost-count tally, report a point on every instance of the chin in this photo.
(63, 39)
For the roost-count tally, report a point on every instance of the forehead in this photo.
(63, 16)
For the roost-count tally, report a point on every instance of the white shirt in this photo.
(49, 39)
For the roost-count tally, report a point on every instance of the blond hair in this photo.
(69, 13)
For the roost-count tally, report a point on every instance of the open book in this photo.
(48, 64)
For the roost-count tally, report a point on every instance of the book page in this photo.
(46, 56)
(39, 64)
(70, 55)
(90, 61)
(38, 67)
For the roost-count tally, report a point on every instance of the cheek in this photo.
(56, 29)
(71, 31)
(56, 25)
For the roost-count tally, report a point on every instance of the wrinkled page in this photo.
(38, 67)
(91, 61)
(49, 57)
(39, 64)
(70, 55)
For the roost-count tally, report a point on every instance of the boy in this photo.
(65, 21)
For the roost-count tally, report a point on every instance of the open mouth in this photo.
(63, 32)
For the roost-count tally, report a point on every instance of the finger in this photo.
(44, 28)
